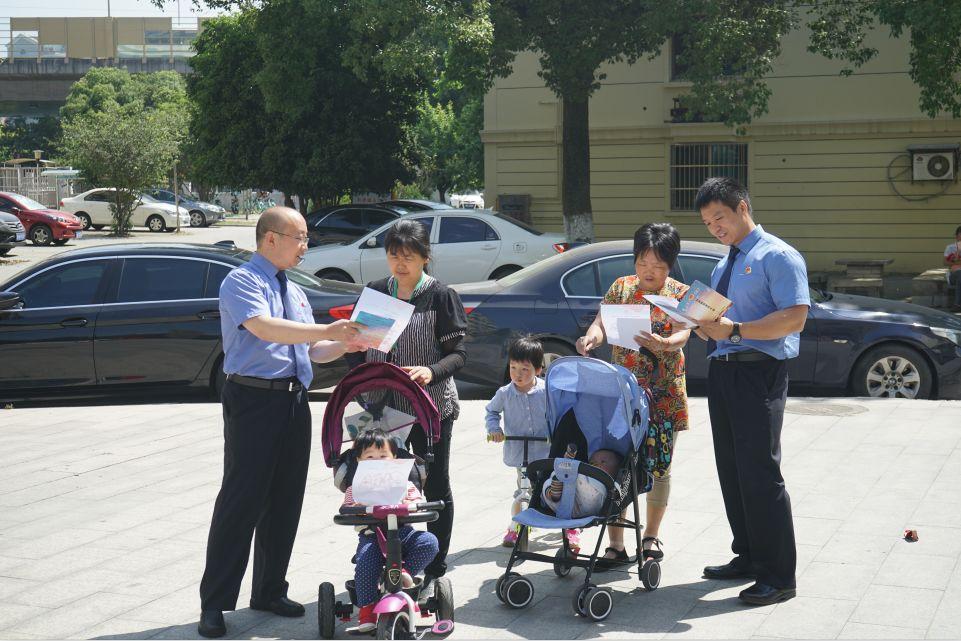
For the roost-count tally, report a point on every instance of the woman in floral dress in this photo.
(658, 364)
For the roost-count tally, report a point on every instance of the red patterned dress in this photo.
(663, 376)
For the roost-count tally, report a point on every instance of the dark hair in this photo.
(661, 238)
(527, 349)
(376, 438)
(722, 189)
(958, 230)
(408, 235)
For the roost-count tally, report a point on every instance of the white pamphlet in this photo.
(381, 482)
(623, 322)
(384, 319)
(669, 306)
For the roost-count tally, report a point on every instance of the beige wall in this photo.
(91, 38)
(818, 162)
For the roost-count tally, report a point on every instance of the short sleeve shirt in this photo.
(954, 249)
(768, 275)
(253, 290)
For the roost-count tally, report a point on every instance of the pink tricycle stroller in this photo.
(399, 610)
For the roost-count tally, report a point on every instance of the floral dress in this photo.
(663, 376)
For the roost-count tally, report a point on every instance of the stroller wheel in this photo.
(651, 575)
(561, 569)
(499, 586)
(325, 610)
(394, 626)
(598, 603)
(518, 592)
(578, 601)
(444, 594)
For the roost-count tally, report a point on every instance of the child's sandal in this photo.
(651, 553)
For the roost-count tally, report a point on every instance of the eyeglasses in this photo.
(300, 239)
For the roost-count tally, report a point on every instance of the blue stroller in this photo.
(594, 405)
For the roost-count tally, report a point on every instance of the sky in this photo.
(118, 8)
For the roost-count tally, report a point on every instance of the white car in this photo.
(92, 207)
(467, 200)
(465, 247)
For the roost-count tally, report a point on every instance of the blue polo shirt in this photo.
(768, 275)
(253, 290)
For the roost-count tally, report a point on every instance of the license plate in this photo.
(78, 235)
(20, 236)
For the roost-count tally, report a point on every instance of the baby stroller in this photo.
(398, 609)
(595, 405)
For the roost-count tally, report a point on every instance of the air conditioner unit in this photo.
(934, 162)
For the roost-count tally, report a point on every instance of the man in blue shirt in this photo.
(269, 339)
(766, 280)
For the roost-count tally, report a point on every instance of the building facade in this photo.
(40, 58)
(830, 167)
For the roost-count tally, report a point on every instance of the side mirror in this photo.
(371, 242)
(10, 300)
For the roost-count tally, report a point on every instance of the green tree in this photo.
(124, 131)
(19, 138)
(574, 39)
(449, 151)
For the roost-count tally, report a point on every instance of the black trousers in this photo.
(266, 454)
(437, 488)
(746, 401)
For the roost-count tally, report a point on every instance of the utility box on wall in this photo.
(516, 206)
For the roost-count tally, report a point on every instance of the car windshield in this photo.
(30, 203)
(147, 198)
(519, 223)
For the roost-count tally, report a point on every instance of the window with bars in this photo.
(692, 164)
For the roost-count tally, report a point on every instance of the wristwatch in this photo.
(735, 336)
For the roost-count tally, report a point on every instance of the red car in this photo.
(43, 225)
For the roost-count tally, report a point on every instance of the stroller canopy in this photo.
(370, 377)
(610, 409)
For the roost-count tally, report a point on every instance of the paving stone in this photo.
(867, 631)
(709, 623)
(69, 620)
(836, 580)
(898, 607)
(916, 571)
(806, 617)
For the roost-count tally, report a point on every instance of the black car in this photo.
(138, 318)
(347, 223)
(416, 205)
(867, 346)
(12, 233)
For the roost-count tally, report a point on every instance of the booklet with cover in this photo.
(700, 304)
(384, 319)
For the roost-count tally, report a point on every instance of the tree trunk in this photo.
(441, 191)
(576, 177)
(288, 200)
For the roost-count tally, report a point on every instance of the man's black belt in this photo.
(744, 357)
(289, 384)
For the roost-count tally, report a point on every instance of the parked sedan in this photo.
(867, 346)
(416, 204)
(201, 214)
(12, 233)
(43, 225)
(347, 223)
(92, 208)
(137, 317)
(465, 246)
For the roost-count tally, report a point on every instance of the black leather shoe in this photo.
(212, 624)
(728, 571)
(281, 606)
(764, 594)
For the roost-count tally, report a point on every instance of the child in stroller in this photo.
(599, 409)
(419, 548)
(391, 600)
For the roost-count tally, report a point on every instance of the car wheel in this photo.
(893, 371)
(98, 227)
(156, 223)
(334, 274)
(85, 220)
(197, 219)
(41, 235)
(504, 270)
(4, 251)
(62, 241)
(556, 349)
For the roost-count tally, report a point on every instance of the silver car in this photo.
(202, 214)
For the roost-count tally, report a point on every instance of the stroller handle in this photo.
(403, 509)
